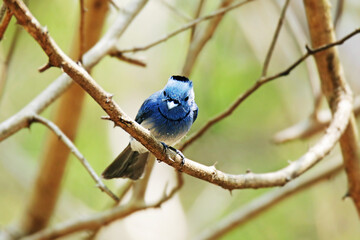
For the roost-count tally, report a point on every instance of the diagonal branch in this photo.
(263, 203)
(61, 84)
(274, 39)
(261, 81)
(200, 38)
(5, 18)
(187, 26)
(343, 109)
(77, 154)
(102, 218)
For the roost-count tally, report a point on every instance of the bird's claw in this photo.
(176, 151)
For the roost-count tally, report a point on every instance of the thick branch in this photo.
(210, 174)
(333, 84)
(54, 90)
(310, 126)
(265, 202)
(5, 18)
(261, 81)
(102, 218)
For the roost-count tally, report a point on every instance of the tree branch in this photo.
(50, 125)
(274, 39)
(187, 26)
(5, 18)
(210, 174)
(61, 84)
(102, 218)
(200, 38)
(261, 81)
(310, 126)
(265, 202)
(333, 84)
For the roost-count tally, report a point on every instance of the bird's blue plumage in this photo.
(168, 114)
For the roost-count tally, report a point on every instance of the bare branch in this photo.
(338, 12)
(197, 14)
(5, 17)
(55, 89)
(119, 55)
(6, 63)
(274, 39)
(259, 83)
(81, 29)
(102, 218)
(200, 38)
(77, 154)
(310, 126)
(187, 26)
(249, 180)
(333, 83)
(263, 203)
(175, 10)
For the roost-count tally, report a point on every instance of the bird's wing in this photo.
(147, 108)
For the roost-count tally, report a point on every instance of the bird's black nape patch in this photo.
(180, 78)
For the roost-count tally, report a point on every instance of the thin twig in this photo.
(77, 154)
(197, 14)
(81, 29)
(100, 219)
(6, 63)
(259, 83)
(119, 55)
(265, 202)
(176, 10)
(4, 20)
(187, 26)
(274, 39)
(338, 12)
(201, 38)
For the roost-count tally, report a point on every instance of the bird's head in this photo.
(177, 97)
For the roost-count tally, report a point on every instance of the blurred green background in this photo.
(228, 65)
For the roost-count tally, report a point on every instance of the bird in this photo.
(168, 114)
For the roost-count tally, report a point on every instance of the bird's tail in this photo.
(129, 164)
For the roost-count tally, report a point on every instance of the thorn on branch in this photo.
(308, 49)
(109, 98)
(45, 30)
(106, 118)
(346, 195)
(45, 67)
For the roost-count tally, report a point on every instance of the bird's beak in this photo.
(171, 104)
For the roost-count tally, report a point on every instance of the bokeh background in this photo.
(229, 64)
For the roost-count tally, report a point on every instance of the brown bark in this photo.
(47, 185)
(333, 83)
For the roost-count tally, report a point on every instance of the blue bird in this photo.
(168, 114)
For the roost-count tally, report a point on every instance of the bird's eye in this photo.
(187, 98)
(164, 93)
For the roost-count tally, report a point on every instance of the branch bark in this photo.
(47, 186)
(263, 203)
(210, 174)
(200, 38)
(333, 85)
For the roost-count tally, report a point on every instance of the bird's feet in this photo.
(175, 150)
